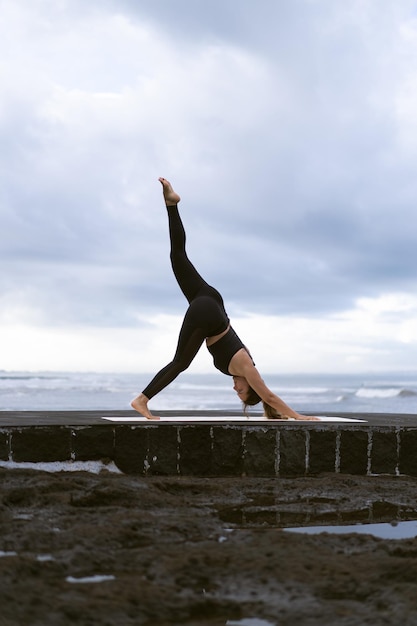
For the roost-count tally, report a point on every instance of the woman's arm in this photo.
(241, 365)
(255, 381)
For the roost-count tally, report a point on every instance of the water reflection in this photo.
(249, 621)
(394, 530)
(320, 514)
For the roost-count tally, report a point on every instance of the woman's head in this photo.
(241, 386)
(249, 397)
(245, 392)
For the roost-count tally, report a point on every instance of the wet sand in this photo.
(113, 549)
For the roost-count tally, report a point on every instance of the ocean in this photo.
(309, 393)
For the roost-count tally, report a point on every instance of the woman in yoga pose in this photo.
(206, 319)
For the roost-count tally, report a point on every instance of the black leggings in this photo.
(205, 316)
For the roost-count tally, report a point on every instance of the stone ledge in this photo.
(233, 449)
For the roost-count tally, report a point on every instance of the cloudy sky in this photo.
(289, 128)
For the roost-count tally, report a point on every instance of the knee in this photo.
(181, 364)
(178, 258)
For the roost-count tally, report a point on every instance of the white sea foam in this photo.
(200, 387)
(390, 392)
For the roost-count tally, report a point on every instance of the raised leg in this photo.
(195, 328)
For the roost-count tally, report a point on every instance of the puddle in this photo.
(249, 621)
(393, 530)
(89, 579)
(318, 514)
(321, 514)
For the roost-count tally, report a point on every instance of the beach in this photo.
(105, 548)
(111, 549)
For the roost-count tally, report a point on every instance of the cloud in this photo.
(289, 129)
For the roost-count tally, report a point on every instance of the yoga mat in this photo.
(228, 419)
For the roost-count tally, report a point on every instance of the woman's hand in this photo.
(296, 416)
(307, 417)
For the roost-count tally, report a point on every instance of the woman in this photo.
(206, 319)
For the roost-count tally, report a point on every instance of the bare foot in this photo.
(140, 404)
(170, 196)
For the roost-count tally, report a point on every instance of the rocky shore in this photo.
(112, 549)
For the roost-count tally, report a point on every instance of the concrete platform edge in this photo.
(384, 444)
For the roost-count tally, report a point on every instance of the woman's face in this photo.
(241, 386)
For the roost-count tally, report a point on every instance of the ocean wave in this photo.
(94, 390)
(341, 398)
(11, 376)
(388, 392)
(200, 387)
(299, 391)
(408, 392)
